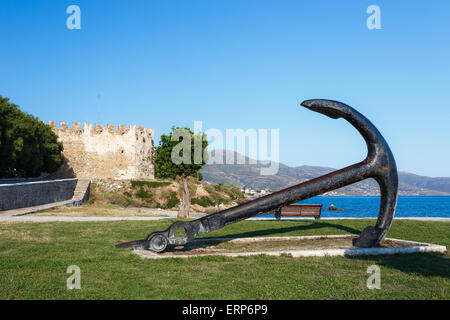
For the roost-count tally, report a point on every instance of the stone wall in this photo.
(27, 194)
(98, 152)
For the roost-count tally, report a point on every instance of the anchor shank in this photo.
(301, 191)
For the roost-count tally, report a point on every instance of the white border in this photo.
(413, 247)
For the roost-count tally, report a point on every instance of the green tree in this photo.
(180, 154)
(28, 147)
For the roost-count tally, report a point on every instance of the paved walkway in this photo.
(31, 218)
(33, 209)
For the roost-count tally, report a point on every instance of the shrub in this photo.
(142, 194)
(127, 194)
(151, 184)
(173, 201)
(231, 190)
(204, 201)
(223, 201)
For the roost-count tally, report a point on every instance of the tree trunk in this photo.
(186, 200)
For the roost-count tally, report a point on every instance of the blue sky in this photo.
(240, 64)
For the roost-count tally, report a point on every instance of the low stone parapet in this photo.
(28, 194)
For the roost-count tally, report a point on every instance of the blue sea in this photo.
(367, 207)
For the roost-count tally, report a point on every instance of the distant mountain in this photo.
(439, 184)
(248, 174)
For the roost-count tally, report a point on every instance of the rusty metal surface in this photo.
(379, 164)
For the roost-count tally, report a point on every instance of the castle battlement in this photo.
(106, 152)
(98, 128)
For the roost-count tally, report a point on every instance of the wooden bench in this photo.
(299, 210)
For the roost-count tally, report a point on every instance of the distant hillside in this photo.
(439, 184)
(248, 175)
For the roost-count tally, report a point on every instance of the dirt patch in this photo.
(213, 246)
(102, 211)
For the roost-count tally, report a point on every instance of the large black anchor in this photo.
(379, 164)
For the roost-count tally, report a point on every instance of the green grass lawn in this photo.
(34, 258)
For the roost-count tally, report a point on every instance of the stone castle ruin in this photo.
(96, 152)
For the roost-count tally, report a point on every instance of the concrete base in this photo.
(405, 246)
